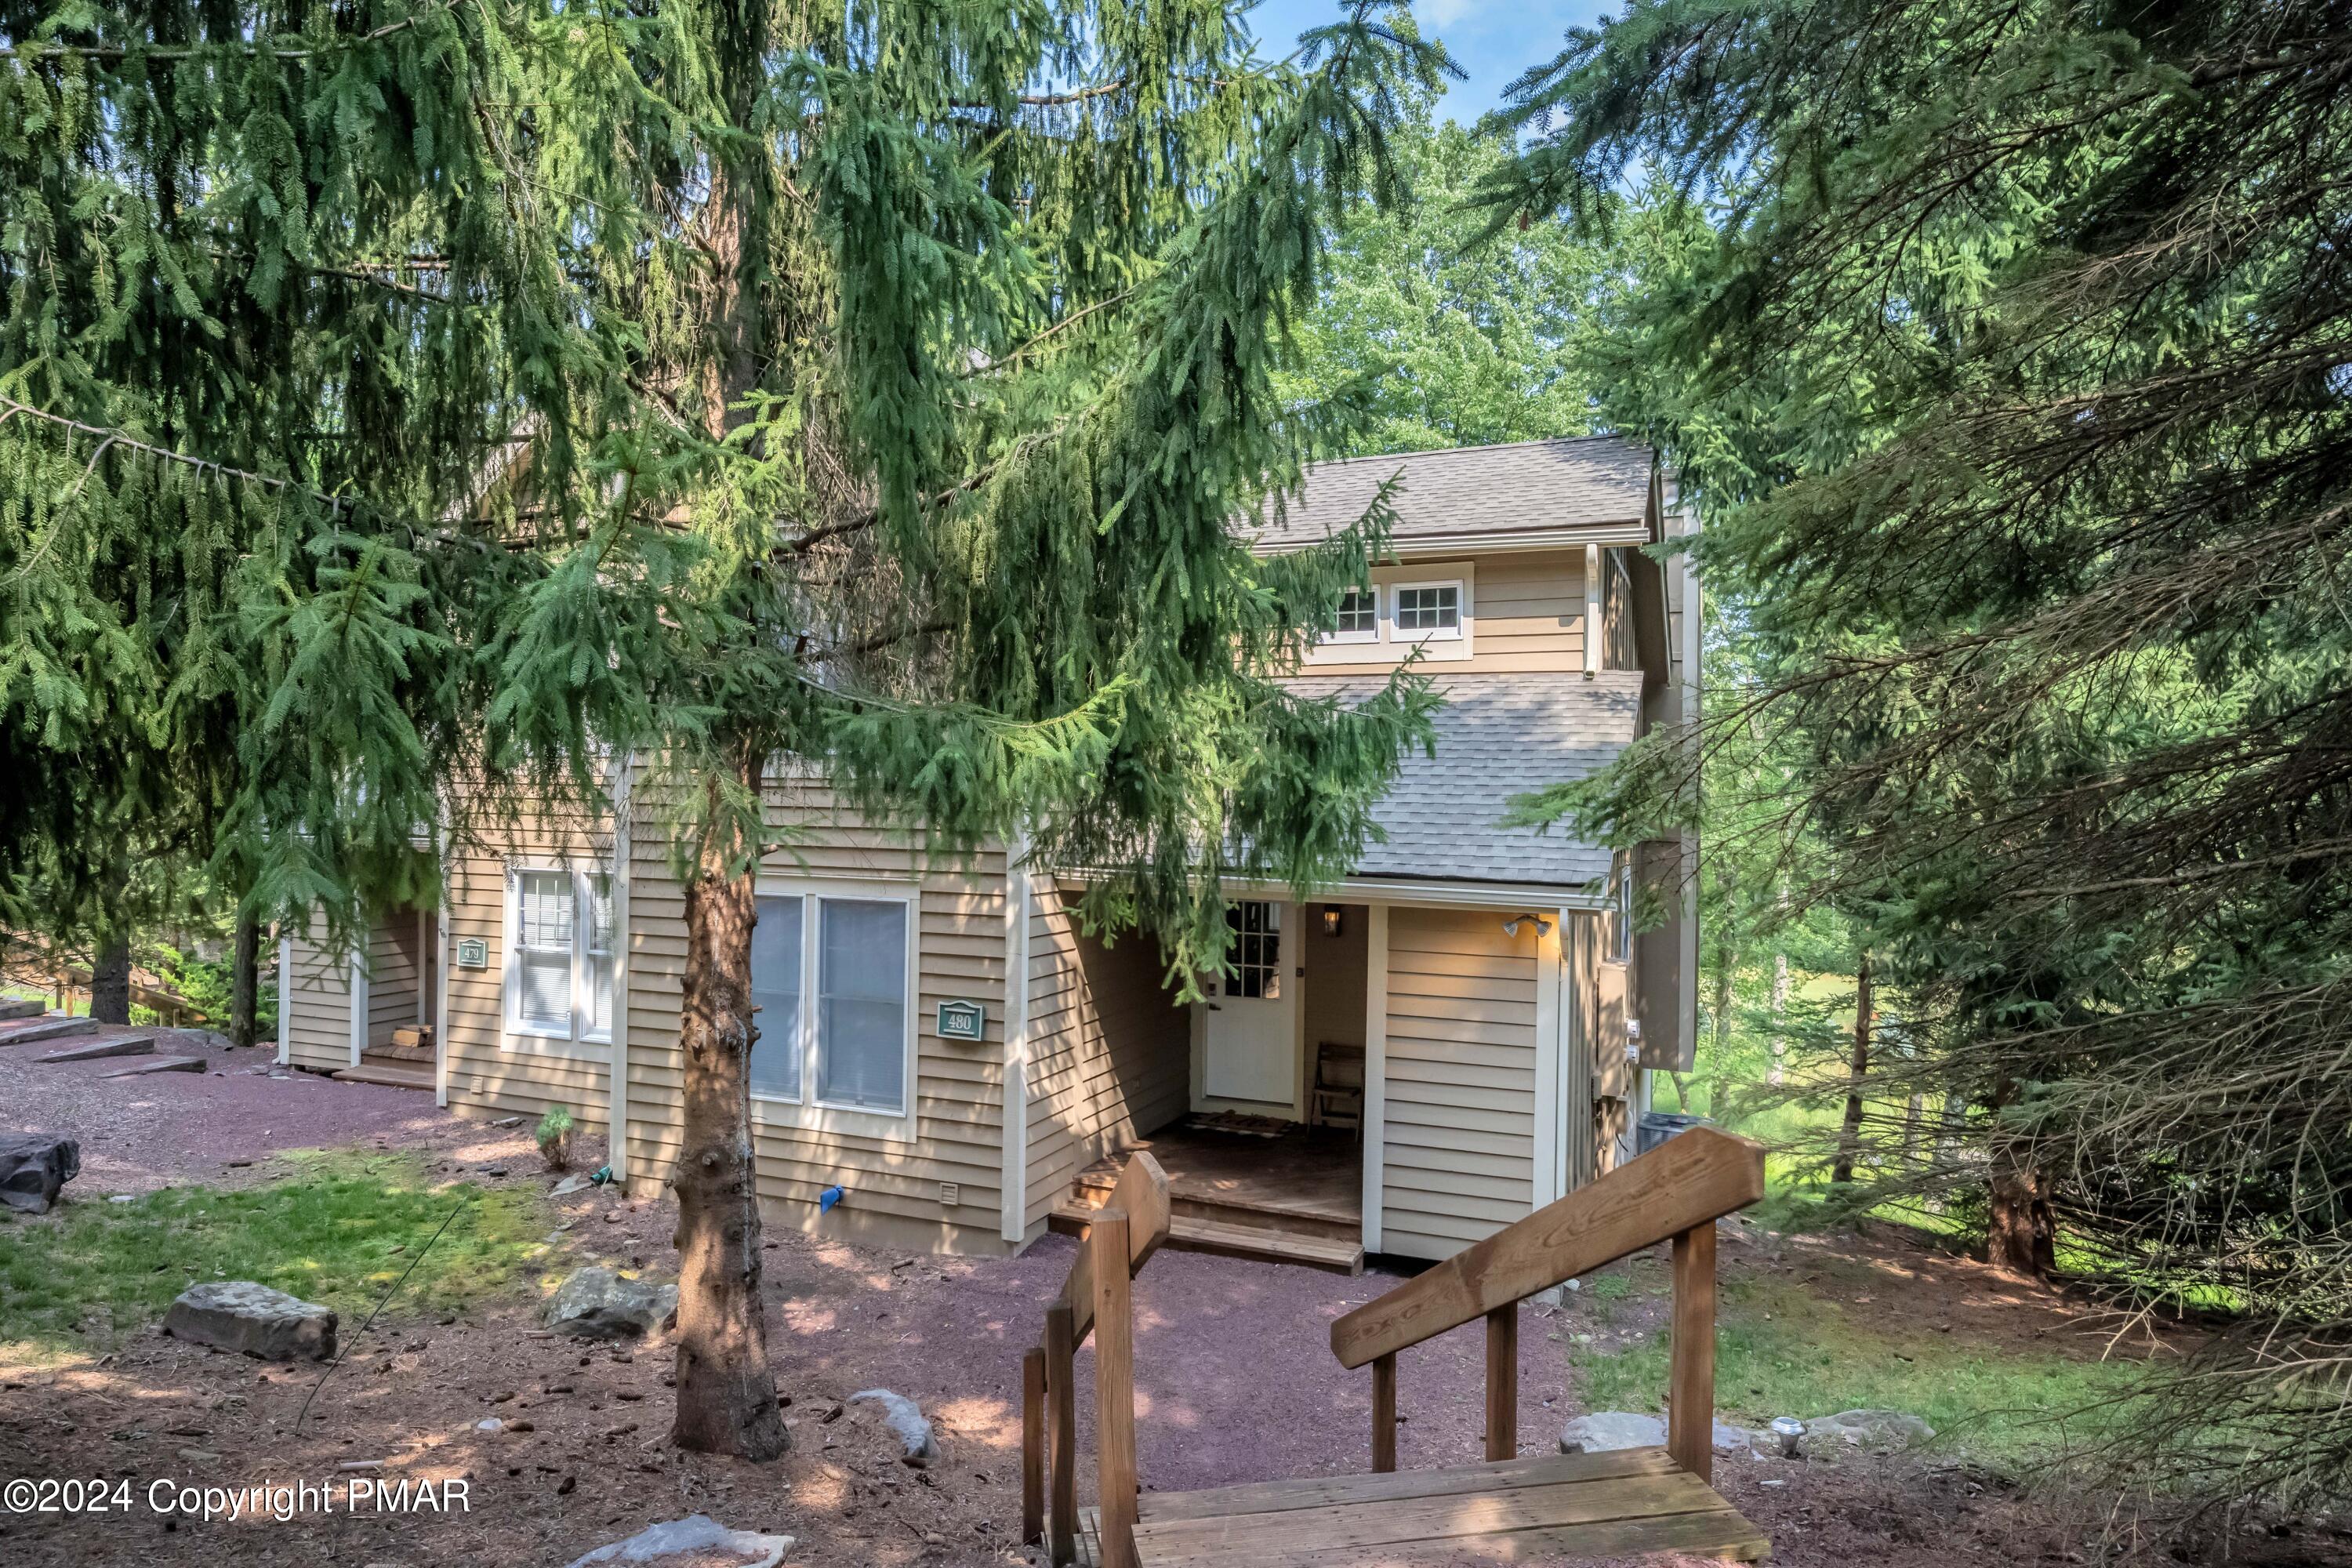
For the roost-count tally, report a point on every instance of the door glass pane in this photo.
(543, 936)
(776, 992)
(1253, 941)
(862, 1004)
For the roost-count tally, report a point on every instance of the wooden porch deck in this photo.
(1629, 1503)
(1295, 1195)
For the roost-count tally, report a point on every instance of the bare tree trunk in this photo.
(2021, 1234)
(110, 982)
(726, 1392)
(1720, 1094)
(1850, 1134)
(243, 983)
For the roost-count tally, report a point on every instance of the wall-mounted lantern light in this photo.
(1330, 919)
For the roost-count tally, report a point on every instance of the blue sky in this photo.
(1493, 42)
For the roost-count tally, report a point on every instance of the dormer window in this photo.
(1428, 611)
(1360, 617)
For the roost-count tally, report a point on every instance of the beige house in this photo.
(1458, 1032)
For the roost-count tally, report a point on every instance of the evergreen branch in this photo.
(9, 407)
(35, 53)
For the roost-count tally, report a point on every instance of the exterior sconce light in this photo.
(1511, 926)
(1330, 919)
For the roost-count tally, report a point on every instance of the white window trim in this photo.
(1454, 633)
(808, 1111)
(1339, 636)
(514, 1033)
(1393, 646)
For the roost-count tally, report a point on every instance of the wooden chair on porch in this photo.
(1631, 1502)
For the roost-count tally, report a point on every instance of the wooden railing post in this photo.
(1690, 1378)
(1061, 1429)
(1033, 1446)
(1383, 1414)
(1503, 1381)
(1114, 1388)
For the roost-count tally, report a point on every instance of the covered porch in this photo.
(1247, 1186)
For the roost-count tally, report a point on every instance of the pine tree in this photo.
(2011, 384)
(411, 406)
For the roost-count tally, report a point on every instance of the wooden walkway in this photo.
(1629, 1503)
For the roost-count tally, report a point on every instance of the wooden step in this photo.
(47, 1029)
(21, 1007)
(121, 1046)
(1266, 1210)
(387, 1074)
(158, 1064)
(1633, 1502)
(1190, 1232)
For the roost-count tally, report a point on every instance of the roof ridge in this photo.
(1480, 447)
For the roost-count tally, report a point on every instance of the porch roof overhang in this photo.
(1497, 737)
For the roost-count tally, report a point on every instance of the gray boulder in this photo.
(1604, 1430)
(239, 1315)
(697, 1541)
(598, 1304)
(32, 1167)
(906, 1423)
(1863, 1432)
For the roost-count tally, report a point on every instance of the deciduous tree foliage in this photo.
(413, 406)
(2015, 395)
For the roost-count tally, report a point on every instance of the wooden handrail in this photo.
(1134, 1221)
(1676, 1191)
(1693, 1179)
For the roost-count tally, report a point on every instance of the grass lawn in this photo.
(337, 1232)
(1784, 1349)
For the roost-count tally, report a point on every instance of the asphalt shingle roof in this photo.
(1470, 490)
(1498, 736)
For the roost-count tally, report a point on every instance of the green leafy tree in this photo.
(482, 393)
(2013, 390)
(1455, 338)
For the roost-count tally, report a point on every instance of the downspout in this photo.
(1012, 1185)
(616, 1151)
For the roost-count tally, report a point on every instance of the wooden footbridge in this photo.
(1550, 1508)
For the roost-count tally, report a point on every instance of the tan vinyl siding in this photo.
(955, 1132)
(1530, 612)
(318, 1018)
(490, 1070)
(1458, 1131)
(1111, 1054)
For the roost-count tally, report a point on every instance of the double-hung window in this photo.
(560, 953)
(832, 976)
(1427, 611)
(1360, 617)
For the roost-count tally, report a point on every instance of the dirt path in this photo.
(1235, 1382)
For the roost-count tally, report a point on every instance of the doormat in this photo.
(1240, 1122)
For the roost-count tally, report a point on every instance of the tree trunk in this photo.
(1849, 1135)
(1719, 1093)
(1779, 1070)
(2022, 1237)
(244, 983)
(726, 1393)
(110, 982)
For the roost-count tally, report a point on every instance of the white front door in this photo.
(1251, 1041)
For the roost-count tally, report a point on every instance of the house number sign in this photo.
(962, 1020)
(473, 953)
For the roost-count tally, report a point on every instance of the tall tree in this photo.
(716, 383)
(2014, 392)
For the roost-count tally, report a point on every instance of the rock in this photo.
(598, 1304)
(489, 1423)
(121, 1046)
(32, 1167)
(1607, 1429)
(1863, 1432)
(906, 1421)
(239, 1315)
(698, 1540)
